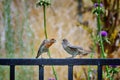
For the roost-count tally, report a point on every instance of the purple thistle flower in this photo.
(97, 4)
(103, 33)
(113, 66)
(101, 5)
(51, 78)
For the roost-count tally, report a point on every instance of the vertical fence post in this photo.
(70, 72)
(99, 72)
(12, 72)
(41, 72)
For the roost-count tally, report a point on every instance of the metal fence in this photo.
(69, 62)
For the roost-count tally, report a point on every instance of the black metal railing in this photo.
(69, 62)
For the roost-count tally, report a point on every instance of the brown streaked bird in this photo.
(73, 50)
(45, 45)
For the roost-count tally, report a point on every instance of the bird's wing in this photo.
(80, 49)
(42, 44)
(76, 47)
(41, 47)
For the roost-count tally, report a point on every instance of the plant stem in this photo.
(101, 40)
(9, 30)
(54, 72)
(99, 29)
(45, 31)
(91, 56)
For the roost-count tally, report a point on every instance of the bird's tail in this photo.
(85, 52)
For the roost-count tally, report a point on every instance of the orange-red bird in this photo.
(45, 45)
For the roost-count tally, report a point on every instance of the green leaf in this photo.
(106, 39)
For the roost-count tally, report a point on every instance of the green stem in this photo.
(91, 56)
(9, 30)
(99, 29)
(89, 71)
(102, 47)
(101, 40)
(54, 72)
(45, 31)
(108, 74)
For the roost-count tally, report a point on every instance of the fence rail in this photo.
(69, 62)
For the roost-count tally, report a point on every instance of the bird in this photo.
(44, 47)
(73, 50)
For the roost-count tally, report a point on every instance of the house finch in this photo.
(73, 50)
(45, 46)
